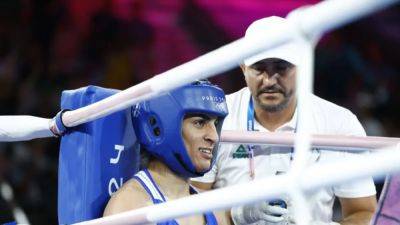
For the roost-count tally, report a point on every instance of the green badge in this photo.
(241, 153)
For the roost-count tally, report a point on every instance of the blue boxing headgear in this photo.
(158, 123)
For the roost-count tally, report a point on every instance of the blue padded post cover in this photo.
(95, 158)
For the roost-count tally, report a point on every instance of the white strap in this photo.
(150, 185)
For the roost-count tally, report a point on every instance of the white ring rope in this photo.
(329, 142)
(23, 128)
(317, 19)
(304, 85)
(316, 176)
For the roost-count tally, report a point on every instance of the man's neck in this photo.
(273, 120)
(170, 183)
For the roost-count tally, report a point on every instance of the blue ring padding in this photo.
(90, 164)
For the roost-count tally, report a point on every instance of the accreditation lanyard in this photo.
(250, 127)
(250, 148)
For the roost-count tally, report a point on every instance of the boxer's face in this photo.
(200, 135)
(272, 83)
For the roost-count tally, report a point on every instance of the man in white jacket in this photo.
(268, 104)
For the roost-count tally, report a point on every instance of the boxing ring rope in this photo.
(302, 141)
(33, 127)
(318, 175)
(330, 14)
(330, 142)
(306, 24)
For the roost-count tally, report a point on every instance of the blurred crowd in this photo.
(47, 46)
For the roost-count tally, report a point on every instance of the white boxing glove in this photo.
(263, 213)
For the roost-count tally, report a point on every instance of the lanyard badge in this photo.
(250, 127)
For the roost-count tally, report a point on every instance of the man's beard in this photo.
(275, 107)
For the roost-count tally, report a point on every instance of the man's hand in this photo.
(358, 211)
(262, 212)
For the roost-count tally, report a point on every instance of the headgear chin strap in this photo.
(158, 123)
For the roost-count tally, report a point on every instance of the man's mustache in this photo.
(276, 89)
